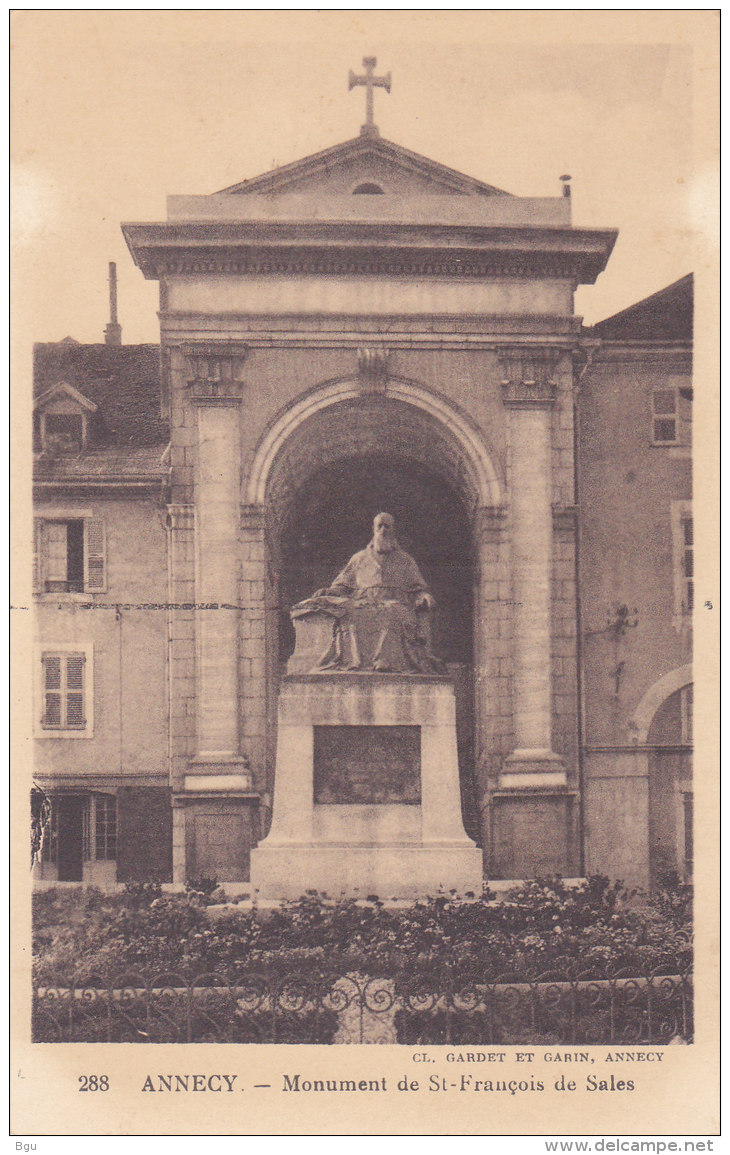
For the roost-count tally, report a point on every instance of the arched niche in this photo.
(340, 465)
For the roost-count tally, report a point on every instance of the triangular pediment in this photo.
(366, 163)
(64, 392)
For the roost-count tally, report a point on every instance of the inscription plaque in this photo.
(367, 764)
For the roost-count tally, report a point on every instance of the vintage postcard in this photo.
(364, 606)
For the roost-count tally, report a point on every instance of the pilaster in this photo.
(528, 392)
(215, 389)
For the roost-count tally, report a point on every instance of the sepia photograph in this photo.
(356, 354)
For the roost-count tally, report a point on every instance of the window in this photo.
(368, 188)
(63, 679)
(688, 562)
(105, 827)
(683, 561)
(63, 432)
(61, 420)
(64, 690)
(70, 555)
(664, 417)
(97, 814)
(686, 706)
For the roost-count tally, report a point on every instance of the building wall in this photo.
(627, 487)
(127, 754)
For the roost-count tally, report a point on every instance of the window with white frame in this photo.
(65, 700)
(664, 425)
(99, 835)
(683, 560)
(671, 415)
(105, 827)
(69, 554)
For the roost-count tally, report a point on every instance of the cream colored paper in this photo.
(114, 110)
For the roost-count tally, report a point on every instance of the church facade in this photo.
(367, 330)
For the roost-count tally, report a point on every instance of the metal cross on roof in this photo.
(369, 82)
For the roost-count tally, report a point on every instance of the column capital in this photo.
(252, 517)
(214, 371)
(181, 516)
(529, 375)
(490, 519)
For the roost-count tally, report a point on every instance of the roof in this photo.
(362, 152)
(666, 315)
(122, 381)
(131, 463)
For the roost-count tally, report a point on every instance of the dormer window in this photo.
(64, 432)
(61, 420)
(368, 189)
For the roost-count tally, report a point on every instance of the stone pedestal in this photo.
(366, 798)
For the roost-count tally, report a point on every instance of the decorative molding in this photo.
(215, 370)
(565, 518)
(490, 519)
(181, 517)
(488, 328)
(529, 374)
(462, 264)
(252, 517)
(372, 368)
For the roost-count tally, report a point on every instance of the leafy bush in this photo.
(542, 927)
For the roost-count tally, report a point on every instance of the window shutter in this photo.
(52, 690)
(37, 555)
(75, 691)
(94, 555)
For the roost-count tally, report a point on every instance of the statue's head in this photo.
(384, 538)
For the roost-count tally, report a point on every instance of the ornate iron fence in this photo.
(316, 1008)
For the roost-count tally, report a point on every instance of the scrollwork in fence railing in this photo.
(448, 1007)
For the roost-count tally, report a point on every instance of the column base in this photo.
(214, 773)
(531, 769)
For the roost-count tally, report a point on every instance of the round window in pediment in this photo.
(368, 189)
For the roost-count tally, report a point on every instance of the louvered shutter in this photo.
(37, 555)
(52, 691)
(94, 555)
(75, 691)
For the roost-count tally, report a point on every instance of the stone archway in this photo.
(320, 475)
(660, 725)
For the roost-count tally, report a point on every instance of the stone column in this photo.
(529, 394)
(216, 391)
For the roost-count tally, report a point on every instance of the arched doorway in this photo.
(670, 788)
(663, 721)
(338, 468)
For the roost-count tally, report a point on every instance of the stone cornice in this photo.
(311, 248)
(179, 327)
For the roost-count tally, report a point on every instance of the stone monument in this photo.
(366, 796)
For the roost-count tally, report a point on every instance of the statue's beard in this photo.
(384, 541)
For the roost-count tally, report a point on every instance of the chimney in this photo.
(113, 331)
